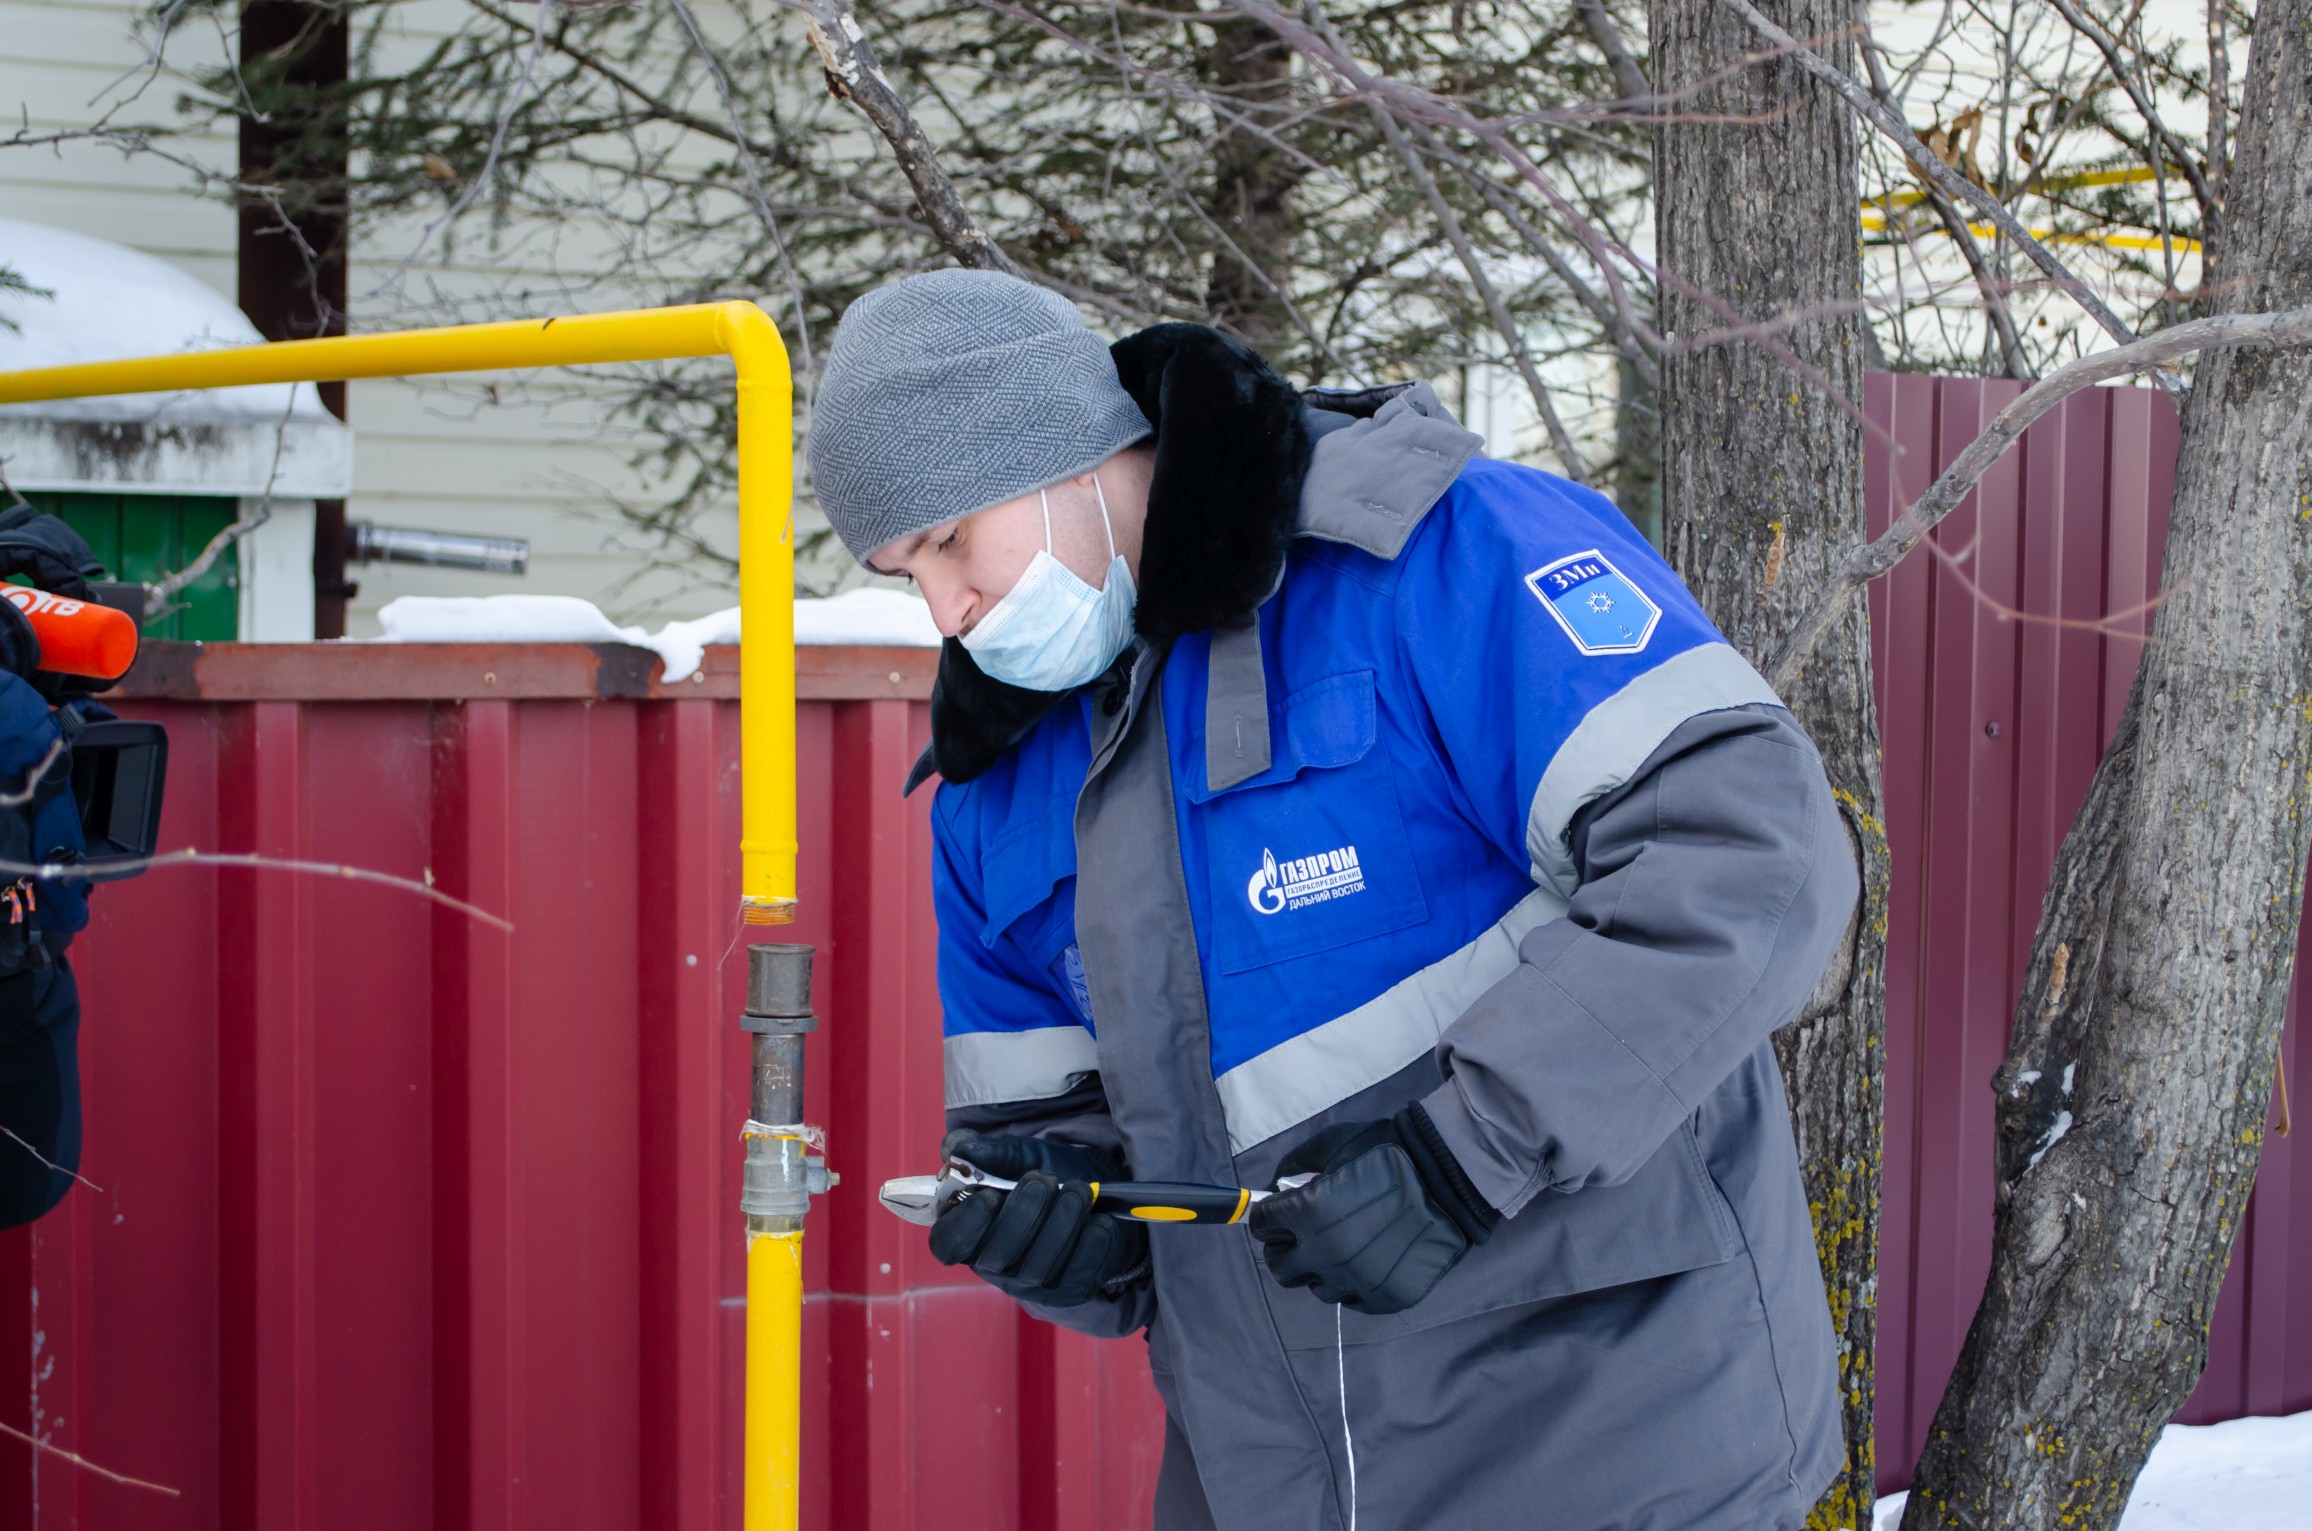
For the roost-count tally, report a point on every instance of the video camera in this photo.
(120, 766)
(70, 634)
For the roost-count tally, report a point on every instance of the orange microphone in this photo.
(76, 637)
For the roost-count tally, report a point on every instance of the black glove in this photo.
(1040, 1242)
(1390, 1212)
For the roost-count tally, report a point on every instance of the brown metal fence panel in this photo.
(406, 1222)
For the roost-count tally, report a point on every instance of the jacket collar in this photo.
(1233, 444)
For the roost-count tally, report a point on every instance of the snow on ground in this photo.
(109, 301)
(2242, 1475)
(872, 617)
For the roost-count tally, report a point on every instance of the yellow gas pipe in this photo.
(767, 835)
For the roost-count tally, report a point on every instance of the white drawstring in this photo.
(1348, 1441)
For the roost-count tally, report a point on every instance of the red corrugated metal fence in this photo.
(406, 1222)
(1993, 717)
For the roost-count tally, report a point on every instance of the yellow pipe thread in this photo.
(766, 535)
(774, 1405)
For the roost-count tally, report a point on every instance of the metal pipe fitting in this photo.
(367, 542)
(782, 1172)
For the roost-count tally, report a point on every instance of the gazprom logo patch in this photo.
(1306, 880)
(1600, 610)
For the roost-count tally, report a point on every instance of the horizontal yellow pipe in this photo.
(766, 532)
(774, 1402)
(1876, 223)
(2132, 176)
(635, 335)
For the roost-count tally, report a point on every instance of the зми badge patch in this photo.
(1600, 610)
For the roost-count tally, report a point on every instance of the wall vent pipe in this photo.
(367, 542)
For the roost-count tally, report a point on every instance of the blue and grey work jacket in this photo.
(1477, 809)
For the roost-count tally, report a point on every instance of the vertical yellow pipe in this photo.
(767, 833)
(768, 841)
(774, 1391)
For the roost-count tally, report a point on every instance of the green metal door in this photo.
(146, 537)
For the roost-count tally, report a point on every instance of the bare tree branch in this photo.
(1425, 106)
(37, 1444)
(854, 76)
(755, 193)
(1995, 307)
(51, 1163)
(32, 778)
(2164, 143)
(58, 871)
(1504, 323)
(1627, 338)
(1629, 79)
(2257, 332)
(169, 585)
(1986, 281)
(1899, 132)
(516, 97)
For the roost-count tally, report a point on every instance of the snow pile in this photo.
(2242, 1475)
(886, 618)
(499, 619)
(109, 302)
(683, 644)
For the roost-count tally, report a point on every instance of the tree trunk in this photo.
(1249, 67)
(1762, 492)
(292, 248)
(2132, 1102)
(1637, 462)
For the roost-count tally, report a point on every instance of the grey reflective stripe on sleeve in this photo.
(1324, 1066)
(987, 1068)
(1618, 735)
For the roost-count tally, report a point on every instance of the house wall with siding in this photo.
(524, 456)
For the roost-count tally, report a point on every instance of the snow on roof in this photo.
(111, 302)
(878, 617)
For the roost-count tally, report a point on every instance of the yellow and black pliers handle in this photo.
(918, 1198)
(1166, 1201)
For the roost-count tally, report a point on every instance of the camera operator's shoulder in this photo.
(27, 725)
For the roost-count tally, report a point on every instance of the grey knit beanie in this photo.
(952, 391)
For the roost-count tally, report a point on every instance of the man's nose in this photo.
(951, 605)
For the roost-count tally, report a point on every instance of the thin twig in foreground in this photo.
(2112, 624)
(52, 1164)
(56, 871)
(2291, 327)
(31, 787)
(77, 1460)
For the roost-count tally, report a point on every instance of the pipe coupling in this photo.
(785, 1167)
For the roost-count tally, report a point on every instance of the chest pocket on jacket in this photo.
(1030, 891)
(1311, 854)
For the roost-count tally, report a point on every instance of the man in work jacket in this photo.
(1320, 796)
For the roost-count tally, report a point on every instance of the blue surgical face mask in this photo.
(1053, 632)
